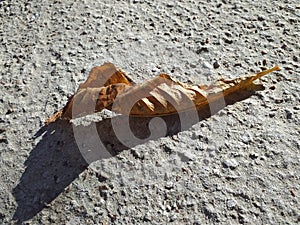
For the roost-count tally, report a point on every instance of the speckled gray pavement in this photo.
(240, 165)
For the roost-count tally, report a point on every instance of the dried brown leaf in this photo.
(110, 88)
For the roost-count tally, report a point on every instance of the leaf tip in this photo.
(53, 118)
(265, 72)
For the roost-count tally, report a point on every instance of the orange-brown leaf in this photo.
(110, 88)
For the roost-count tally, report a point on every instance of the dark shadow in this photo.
(56, 160)
(52, 165)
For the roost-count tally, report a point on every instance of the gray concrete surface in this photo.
(238, 166)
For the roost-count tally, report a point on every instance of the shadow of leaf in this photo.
(52, 165)
(56, 160)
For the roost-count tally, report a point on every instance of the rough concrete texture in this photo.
(241, 165)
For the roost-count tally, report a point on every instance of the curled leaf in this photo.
(110, 88)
